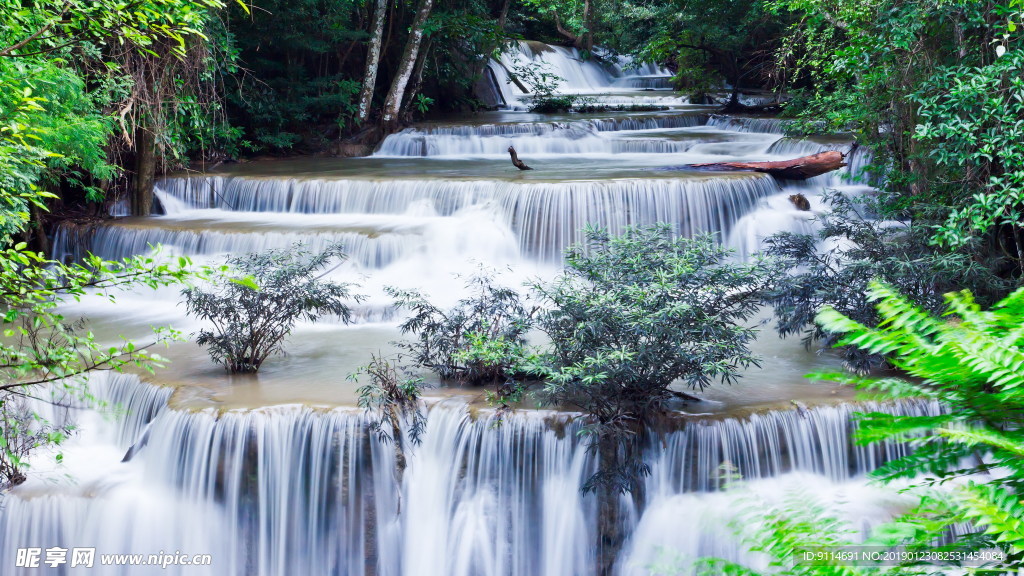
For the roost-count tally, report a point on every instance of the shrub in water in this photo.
(255, 303)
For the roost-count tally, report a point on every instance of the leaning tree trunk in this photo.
(372, 60)
(393, 104)
(145, 172)
(417, 82)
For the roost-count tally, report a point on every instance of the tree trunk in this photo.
(503, 15)
(797, 169)
(417, 81)
(42, 243)
(610, 535)
(588, 22)
(372, 61)
(558, 26)
(400, 460)
(145, 172)
(393, 104)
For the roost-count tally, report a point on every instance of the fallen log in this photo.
(516, 161)
(796, 169)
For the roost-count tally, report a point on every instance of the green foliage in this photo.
(41, 26)
(255, 302)
(632, 314)
(21, 432)
(461, 35)
(657, 308)
(39, 346)
(569, 14)
(833, 267)
(971, 122)
(629, 316)
(294, 89)
(75, 72)
(423, 103)
(922, 83)
(971, 360)
(51, 129)
(391, 395)
(481, 339)
(299, 85)
(42, 351)
(708, 44)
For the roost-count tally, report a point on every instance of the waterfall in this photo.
(273, 490)
(115, 242)
(766, 445)
(748, 124)
(663, 538)
(576, 74)
(295, 489)
(577, 137)
(541, 219)
(600, 74)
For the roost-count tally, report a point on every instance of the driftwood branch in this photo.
(516, 161)
(796, 169)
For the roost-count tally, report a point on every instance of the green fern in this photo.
(972, 360)
(999, 510)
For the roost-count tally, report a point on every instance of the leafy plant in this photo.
(44, 354)
(255, 304)
(49, 130)
(966, 469)
(545, 97)
(833, 266)
(970, 120)
(971, 362)
(479, 340)
(934, 90)
(392, 396)
(423, 103)
(21, 432)
(631, 314)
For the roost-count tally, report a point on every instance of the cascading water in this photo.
(291, 489)
(573, 137)
(604, 76)
(280, 474)
(244, 215)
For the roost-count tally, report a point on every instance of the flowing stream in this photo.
(277, 474)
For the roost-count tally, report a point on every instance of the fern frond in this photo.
(997, 509)
(985, 436)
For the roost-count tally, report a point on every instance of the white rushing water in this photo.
(279, 487)
(293, 489)
(607, 78)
